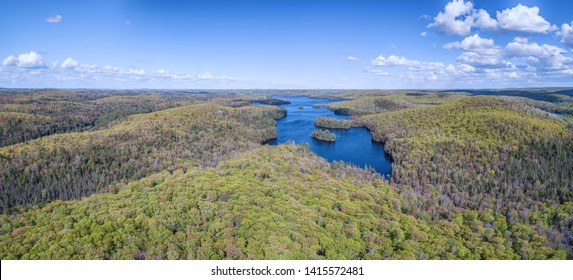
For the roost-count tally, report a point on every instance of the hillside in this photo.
(490, 141)
(481, 153)
(74, 165)
(271, 203)
(28, 115)
(389, 102)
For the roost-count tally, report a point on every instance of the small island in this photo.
(323, 135)
(273, 101)
(301, 107)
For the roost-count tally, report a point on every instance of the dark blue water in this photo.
(353, 145)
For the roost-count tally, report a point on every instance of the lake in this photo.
(353, 145)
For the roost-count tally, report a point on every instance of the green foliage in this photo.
(479, 153)
(273, 101)
(270, 203)
(323, 135)
(26, 115)
(74, 165)
(390, 102)
(328, 122)
(473, 178)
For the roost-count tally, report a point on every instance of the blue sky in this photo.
(286, 44)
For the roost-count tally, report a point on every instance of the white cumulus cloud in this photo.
(491, 57)
(54, 19)
(455, 19)
(523, 18)
(477, 51)
(566, 34)
(460, 17)
(31, 59)
(394, 60)
(484, 21)
(474, 42)
(538, 55)
(10, 61)
(69, 63)
(352, 58)
(26, 60)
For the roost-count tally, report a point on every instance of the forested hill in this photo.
(391, 102)
(451, 151)
(270, 203)
(73, 165)
(27, 115)
(481, 152)
(484, 154)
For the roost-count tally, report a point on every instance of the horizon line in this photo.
(298, 89)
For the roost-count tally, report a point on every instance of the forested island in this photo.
(103, 174)
(273, 101)
(323, 135)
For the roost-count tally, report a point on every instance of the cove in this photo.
(353, 145)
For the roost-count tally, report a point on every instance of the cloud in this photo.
(436, 73)
(30, 60)
(483, 52)
(352, 58)
(566, 34)
(545, 56)
(455, 19)
(490, 57)
(54, 19)
(69, 63)
(10, 61)
(477, 51)
(459, 17)
(393, 60)
(523, 18)
(379, 72)
(420, 71)
(520, 61)
(29, 69)
(484, 21)
(481, 59)
(474, 42)
(25, 60)
(205, 76)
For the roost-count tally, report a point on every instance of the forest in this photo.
(323, 135)
(328, 122)
(27, 115)
(74, 165)
(186, 175)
